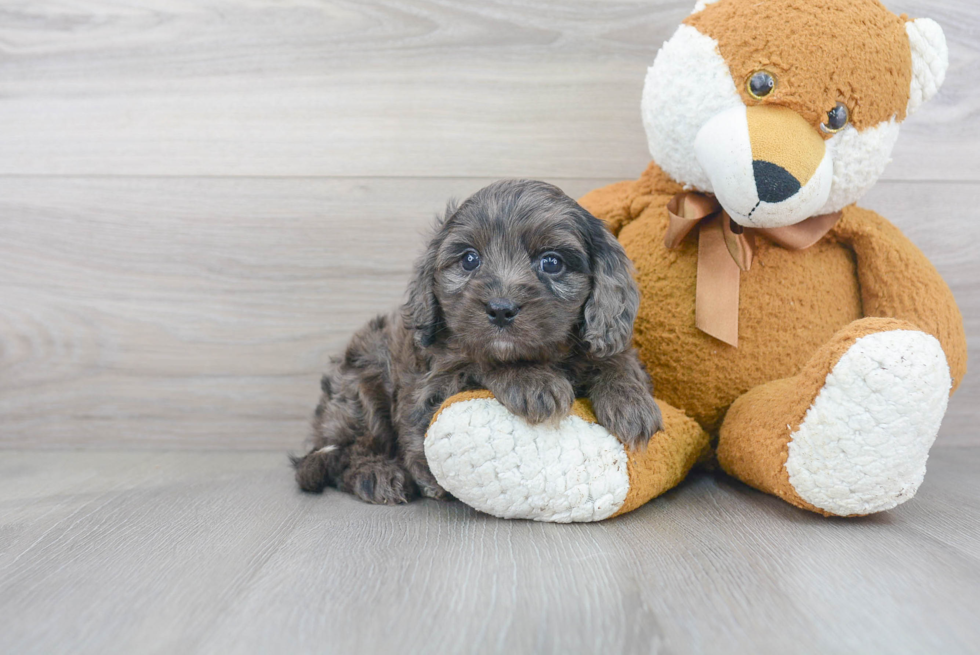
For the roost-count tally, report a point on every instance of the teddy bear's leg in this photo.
(850, 434)
(667, 458)
(577, 471)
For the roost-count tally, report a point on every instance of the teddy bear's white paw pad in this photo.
(863, 444)
(499, 464)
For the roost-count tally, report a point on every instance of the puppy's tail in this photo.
(318, 469)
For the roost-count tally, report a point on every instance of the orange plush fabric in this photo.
(800, 311)
(800, 41)
(791, 302)
(759, 425)
(666, 460)
(810, 294)
(847, 349)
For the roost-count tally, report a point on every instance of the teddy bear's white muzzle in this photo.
(756, 178)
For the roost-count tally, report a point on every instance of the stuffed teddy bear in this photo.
(803, 341)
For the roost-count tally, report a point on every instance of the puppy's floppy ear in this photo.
(421, 311)
(611, 308)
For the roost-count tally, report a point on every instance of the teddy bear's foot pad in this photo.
(863, 444)
(499, 464)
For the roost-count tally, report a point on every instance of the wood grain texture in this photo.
(403, 87)
(200, 201)
(152, 293)
(200, 312)
(218, 553)
(196, 312)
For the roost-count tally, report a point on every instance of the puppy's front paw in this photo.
(425, 481)
(379, 480)
(630, 413)
(538, 397)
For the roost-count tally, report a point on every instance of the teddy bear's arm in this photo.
(612, 204)
(898, 281)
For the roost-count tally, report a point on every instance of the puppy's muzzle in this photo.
(502, 311)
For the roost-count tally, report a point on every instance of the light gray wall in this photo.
(200, 201)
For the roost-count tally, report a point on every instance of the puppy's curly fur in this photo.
(521, 291)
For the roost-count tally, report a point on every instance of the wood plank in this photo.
(192, 311)
(217, 552)
(143, 543)
(406, 88)
(200, 312)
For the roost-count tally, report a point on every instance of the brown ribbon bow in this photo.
(725, 248)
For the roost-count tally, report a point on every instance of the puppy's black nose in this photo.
(502, 311)
(774, 183)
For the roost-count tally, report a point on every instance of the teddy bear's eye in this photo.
(837, 119)
(761, 84)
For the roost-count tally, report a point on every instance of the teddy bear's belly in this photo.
(790, 304)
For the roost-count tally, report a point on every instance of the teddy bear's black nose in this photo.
(774, 183)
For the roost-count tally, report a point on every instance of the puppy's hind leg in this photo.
(319, 468)
(354, 444)
(369, 476)
(334, 427)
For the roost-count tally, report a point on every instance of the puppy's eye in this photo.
(761, 84)
(551, 263)
(470, 260)
(837, 119)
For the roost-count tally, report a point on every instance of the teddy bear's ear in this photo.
(930, 59)
(701, 4)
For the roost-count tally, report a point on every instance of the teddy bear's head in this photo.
(786, 109)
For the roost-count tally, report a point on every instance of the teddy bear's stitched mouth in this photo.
(743, 217)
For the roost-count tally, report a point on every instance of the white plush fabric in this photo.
(724, 151)
(701, 4)
(863, 444)
(499, 464)
(688, 84)
(859, 159)
(930, 60)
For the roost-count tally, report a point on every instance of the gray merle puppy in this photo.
(521, 291)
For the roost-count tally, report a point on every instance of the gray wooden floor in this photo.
(179, 552)
(199, 201)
